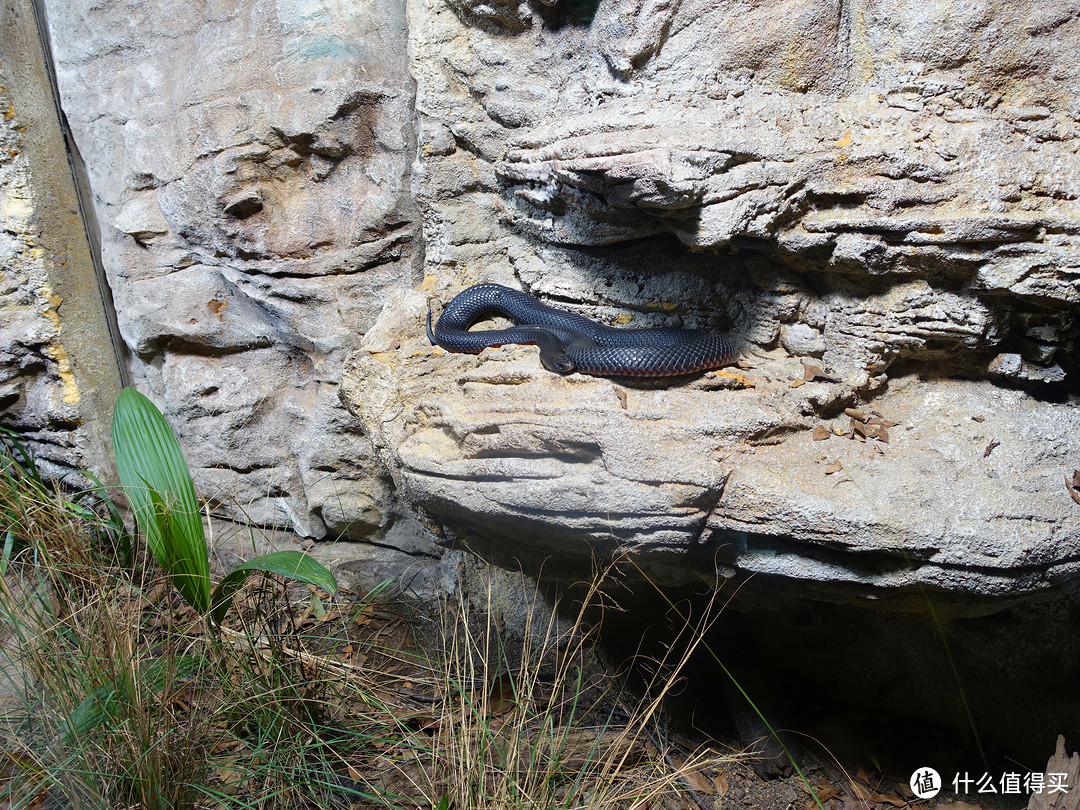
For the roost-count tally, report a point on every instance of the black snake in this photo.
(570, 342)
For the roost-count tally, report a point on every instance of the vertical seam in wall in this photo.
(87, 214)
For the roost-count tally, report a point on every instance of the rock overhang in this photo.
(724, 475)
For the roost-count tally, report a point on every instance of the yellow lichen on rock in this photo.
(49, 304)
(69, 393)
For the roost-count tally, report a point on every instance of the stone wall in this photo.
(250, 170)
(879, 201)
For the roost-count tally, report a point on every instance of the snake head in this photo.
(558, 362)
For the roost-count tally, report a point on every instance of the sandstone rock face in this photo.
(957, 487)
(29, 335)
(250, 164)
(909, 192)
(888, 193)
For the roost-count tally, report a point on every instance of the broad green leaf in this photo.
(96, 708)
(105, 702)
(292, 564)
(184, 574)
(149, 460)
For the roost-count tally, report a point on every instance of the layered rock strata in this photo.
(250, 167)
(956, 487)
(888, 197)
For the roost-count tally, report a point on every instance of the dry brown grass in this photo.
(117, 695)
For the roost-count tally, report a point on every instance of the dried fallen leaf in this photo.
(720, 784)
(826, 792)
(223, 747)
(883, 434)
(229, 777)
(810, 372)
(423, 721)
(978, 419)
(1076, 478)
(885, 798)
(621, 394)
(1075, 495)
(821, 433)
(856, 413)
(502, 697)
(833, 467)
(693, 779)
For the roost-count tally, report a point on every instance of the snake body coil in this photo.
(570, 342)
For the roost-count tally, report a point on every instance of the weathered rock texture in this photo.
(59, 373)
(889, 192)
(909, 193)
(960, 487)
(250, 164)
(881, 200)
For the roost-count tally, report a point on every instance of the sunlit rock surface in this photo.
(250, 169)
(888, 198)
(956, 485)
(887, 195)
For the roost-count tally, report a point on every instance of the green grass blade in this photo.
(149, 461)
(19, 455)
(112, 526)
(292, 564)
(8, 551)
